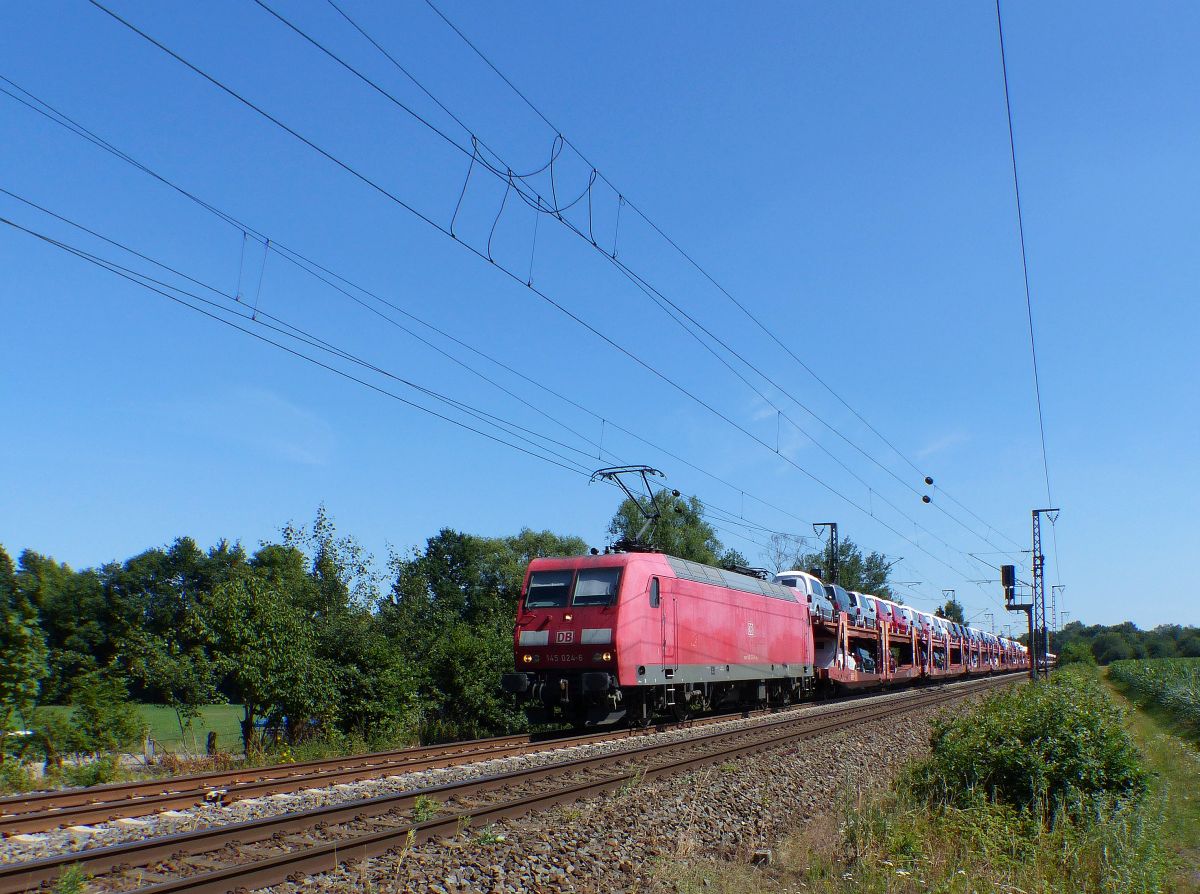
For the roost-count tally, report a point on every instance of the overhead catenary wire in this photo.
(288, 330)
(298, 136)
(211, 314)
(1037, 386)
(313, 341)
(623, 199)
(1012, 146)
(333, 279)
(505, 173)
(535, 290)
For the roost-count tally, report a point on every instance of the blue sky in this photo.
(842, 169)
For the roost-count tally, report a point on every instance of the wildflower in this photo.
(902, 872)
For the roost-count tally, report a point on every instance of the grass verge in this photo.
(1037, 790)
(1175, 763)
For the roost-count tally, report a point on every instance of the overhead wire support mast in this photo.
(1041, 637)
(833, 547)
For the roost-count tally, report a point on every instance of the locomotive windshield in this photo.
(591, 586)
(549, 589)
(597, 586)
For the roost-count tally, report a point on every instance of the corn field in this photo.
(1172, 684)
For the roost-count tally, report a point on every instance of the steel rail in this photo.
(328, 856)
(81, 806)
(99, 861)
(221, 778)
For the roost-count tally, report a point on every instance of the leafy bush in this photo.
(17, 777)
(1076, 653)
(1041, 748)
(104, 719)
(1172, 684)
(98, 772)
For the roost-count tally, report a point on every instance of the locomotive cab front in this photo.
(565, 639)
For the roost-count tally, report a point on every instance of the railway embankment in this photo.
(597, 815)
(627, 839)
(1051, 787)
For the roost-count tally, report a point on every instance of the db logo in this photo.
(565, 636)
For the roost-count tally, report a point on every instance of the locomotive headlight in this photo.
(527, 658)
(607, 656)
(568, 616)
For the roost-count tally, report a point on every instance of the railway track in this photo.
(274, 849)
(51, 810)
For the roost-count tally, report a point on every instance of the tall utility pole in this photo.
(833, 547)
(1055, 615)
(1039, 636)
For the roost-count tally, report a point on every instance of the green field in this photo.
(1171, 685)
(164, 727)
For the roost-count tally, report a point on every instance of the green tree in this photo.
(451, 611)
(679, 530)
(1111, 646)
(342, 569)
(863, 573)
(23, 648)
(74, 618)
(1076, 653)
(952, 611)
(104, 719)
(163, 643)
(333, 580)
(265, 650)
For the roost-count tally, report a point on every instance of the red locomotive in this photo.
(641, 634)
(637, 635)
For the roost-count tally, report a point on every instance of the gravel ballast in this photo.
(22, 848)
(612, 842)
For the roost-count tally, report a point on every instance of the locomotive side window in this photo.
(597, 586)
(549, 589)
(654, 597)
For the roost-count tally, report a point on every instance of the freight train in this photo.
(637, 636)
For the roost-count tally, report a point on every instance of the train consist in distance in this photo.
(640, 635)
